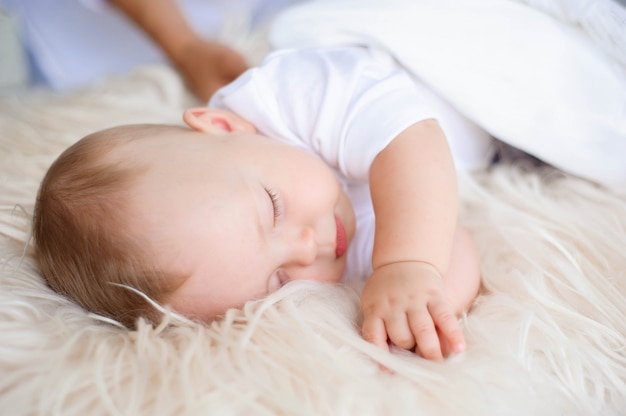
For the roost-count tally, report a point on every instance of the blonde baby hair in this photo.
(81, 225)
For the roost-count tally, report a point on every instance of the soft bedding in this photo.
(534, 82)
(546, 335)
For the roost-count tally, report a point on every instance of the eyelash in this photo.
(275, 203)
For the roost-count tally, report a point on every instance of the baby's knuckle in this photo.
(370, 335)
(445, 316)
(368, 308)
(423, 329)
(394, 301)
(373, 311)
(404, 342)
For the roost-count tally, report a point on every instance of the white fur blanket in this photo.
(545, 337)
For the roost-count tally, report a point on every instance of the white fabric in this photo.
(346, 104)
(604, 21)
(535, 83)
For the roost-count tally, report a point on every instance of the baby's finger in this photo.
(448, 325)
(443, 342)
(399, 332)
(425, 334)
(373, 330)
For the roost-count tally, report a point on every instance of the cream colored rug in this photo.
(545, 337)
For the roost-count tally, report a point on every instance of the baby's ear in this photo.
(216, 121)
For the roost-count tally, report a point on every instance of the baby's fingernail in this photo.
(460, 347)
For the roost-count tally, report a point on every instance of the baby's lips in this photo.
(342, 241)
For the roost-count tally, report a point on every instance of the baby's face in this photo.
(240, 214)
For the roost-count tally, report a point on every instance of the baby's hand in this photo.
(405, 302)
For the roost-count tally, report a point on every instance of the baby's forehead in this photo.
(129, 133)
(140, 132)
(122, 139)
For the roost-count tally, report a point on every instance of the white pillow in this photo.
(532, 81)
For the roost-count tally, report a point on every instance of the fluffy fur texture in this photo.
(546, 335)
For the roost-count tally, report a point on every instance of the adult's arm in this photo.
(205, 65)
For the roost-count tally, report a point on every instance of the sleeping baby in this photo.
(327, 164)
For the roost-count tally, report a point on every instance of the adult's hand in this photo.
(206, 66)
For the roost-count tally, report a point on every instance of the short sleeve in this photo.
(345, 104)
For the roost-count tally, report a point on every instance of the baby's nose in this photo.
(302, 247)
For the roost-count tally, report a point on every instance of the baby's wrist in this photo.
(419, 263)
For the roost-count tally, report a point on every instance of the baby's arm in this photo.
(413, 187)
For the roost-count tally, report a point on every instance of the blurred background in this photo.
(63, 44)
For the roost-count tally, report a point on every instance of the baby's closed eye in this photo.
(276, 204)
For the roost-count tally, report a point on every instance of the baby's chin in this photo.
(337, 276)
(332, 276)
